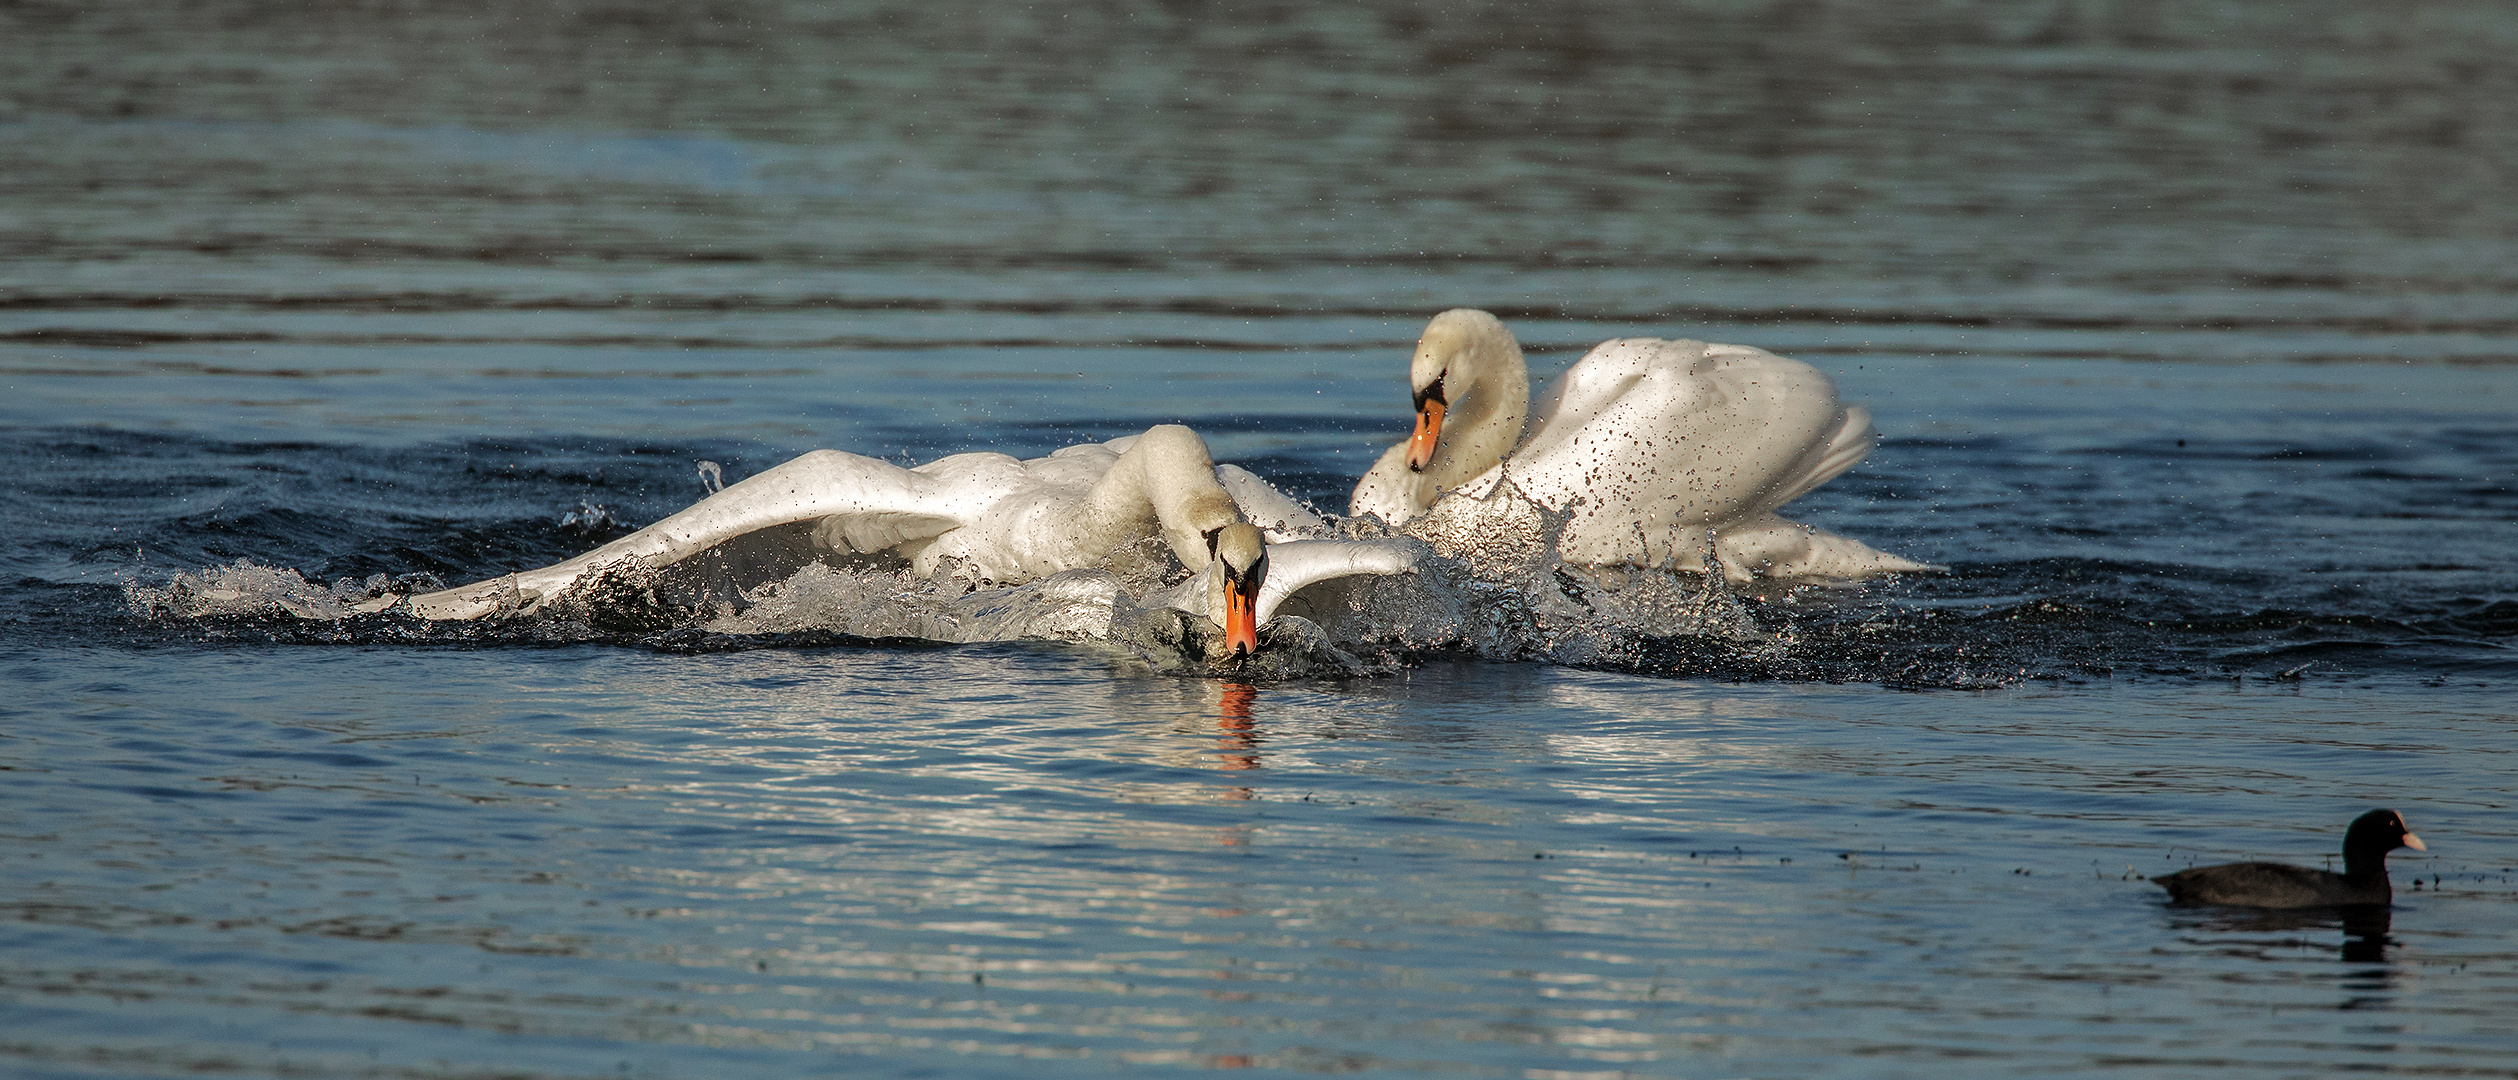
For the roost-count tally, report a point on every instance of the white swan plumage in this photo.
(1002, 519)
(1659, 453)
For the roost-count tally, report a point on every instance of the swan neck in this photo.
(1167, 481)
(1489, 385)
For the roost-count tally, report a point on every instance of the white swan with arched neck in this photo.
(1002, 519)
(1659, 453)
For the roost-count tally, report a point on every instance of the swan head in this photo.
(1237, 566)
(1466, 362)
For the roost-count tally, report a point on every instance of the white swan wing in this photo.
(1274, 512)
(1298, 564)
(1390, 490)
(1645, 440)
(1292, 567)
(1844, 445)
(1007, 519)
(869, 504)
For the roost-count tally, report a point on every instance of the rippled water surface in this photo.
(2188, 329)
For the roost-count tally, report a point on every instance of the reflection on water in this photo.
(1005, 851)
(2365, 941)
(1240, 744)
(2285, 938)
(2364, 929)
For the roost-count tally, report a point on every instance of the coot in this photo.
(2275, 885)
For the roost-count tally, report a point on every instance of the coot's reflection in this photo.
(2365, 942)
(2365, 938)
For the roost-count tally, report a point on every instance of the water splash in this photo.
(249, 589)
(590, 518)
(1486, 593)
(1092, 607)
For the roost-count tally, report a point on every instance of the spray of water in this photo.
(1488, 584)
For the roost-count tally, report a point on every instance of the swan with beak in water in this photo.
(1005, 520)
(1659, 453)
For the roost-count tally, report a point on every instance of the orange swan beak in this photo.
(1429, 428)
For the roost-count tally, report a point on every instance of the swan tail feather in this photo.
(1772, 548)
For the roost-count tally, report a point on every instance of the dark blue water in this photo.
(2188, 332)
(2103, 520)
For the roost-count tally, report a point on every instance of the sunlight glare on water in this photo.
(1011, 853)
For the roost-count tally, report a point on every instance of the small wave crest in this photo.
(248, 589)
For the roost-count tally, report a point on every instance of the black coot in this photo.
(2275, 885)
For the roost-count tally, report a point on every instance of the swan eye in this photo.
(1433, 392)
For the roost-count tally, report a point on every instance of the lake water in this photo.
(2189, 330)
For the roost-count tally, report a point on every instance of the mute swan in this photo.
(1005, 519)
(1659, 452)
